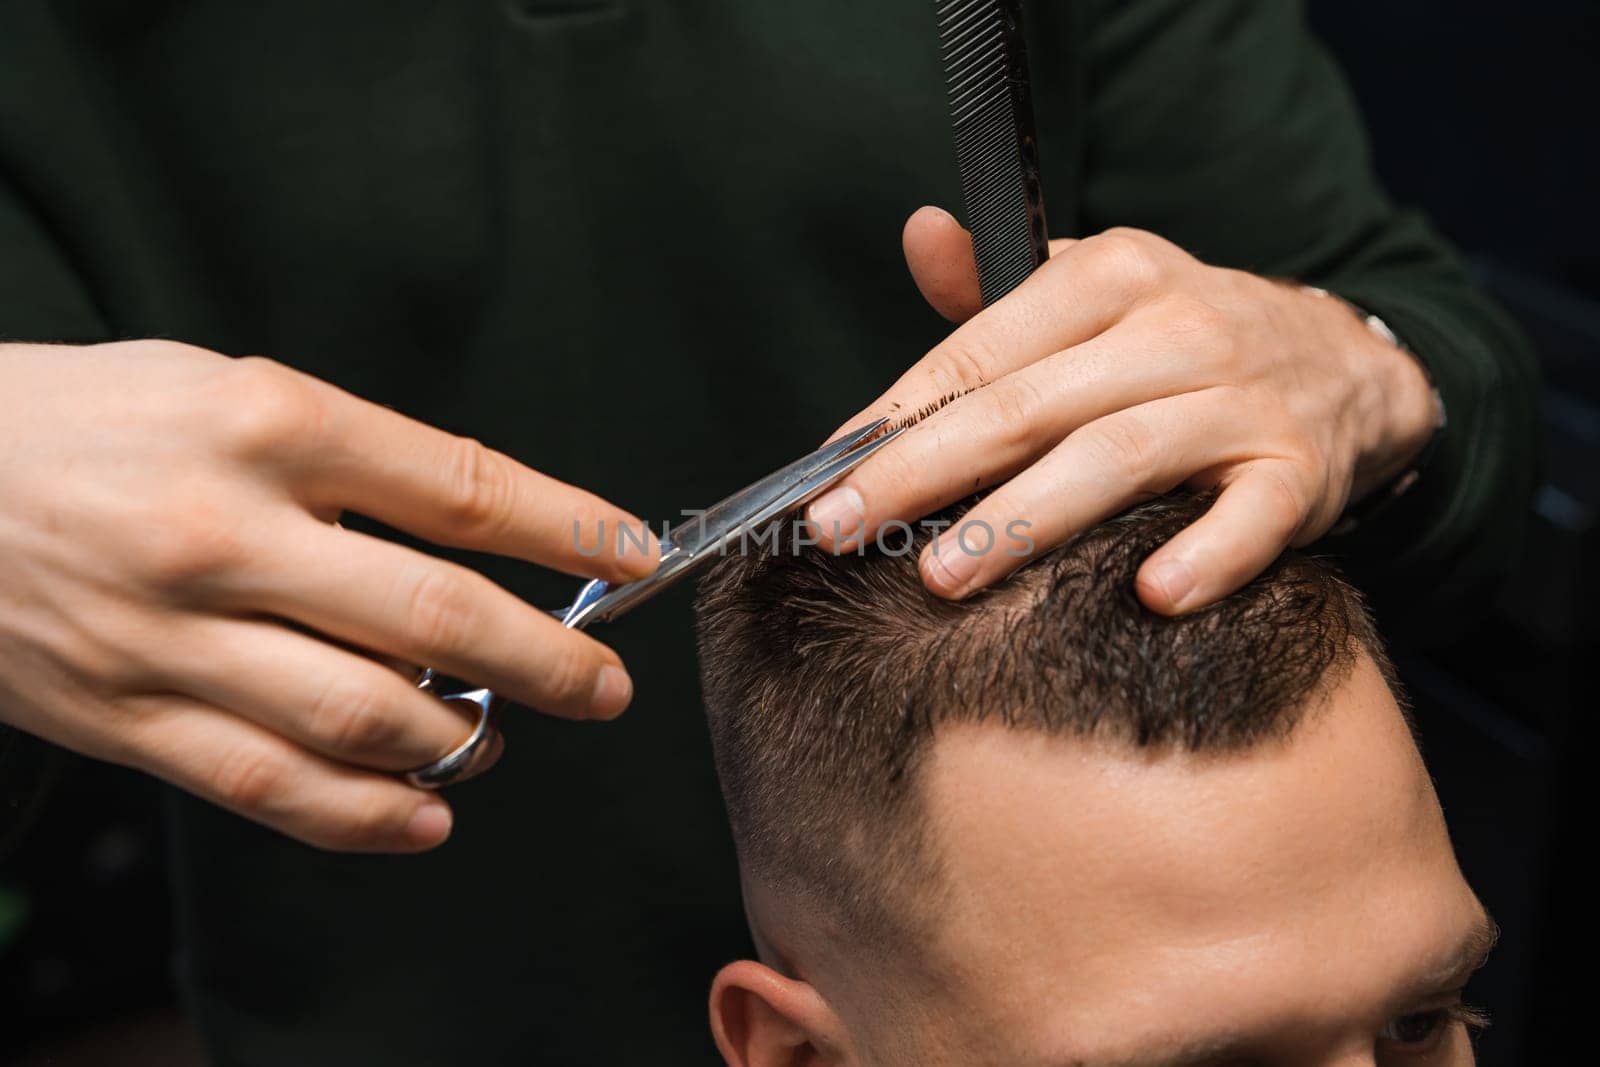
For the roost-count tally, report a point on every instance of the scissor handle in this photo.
(467, 758)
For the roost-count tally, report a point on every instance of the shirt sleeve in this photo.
(42, 298)
(1225, 127)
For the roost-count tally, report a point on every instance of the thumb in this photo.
(939, 253)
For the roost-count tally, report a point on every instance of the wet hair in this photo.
(826, 678)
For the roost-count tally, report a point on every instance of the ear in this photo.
(762, 1019)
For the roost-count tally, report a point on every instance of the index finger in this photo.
(390, 599)
(1075, 296)
(354, 455)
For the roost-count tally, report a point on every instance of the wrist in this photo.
(1399, 410)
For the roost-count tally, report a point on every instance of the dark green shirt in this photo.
(650, 247)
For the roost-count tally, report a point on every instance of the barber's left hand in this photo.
(1124, 368)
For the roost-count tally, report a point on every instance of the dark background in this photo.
(1480, 115)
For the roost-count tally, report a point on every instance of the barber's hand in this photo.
(175, 596)
(1125, 368)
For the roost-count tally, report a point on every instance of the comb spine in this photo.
(991, 110)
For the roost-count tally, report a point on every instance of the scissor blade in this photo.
(820, 479)
(743, 508)
(768, 499)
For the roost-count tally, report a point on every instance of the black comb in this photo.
(991, 107)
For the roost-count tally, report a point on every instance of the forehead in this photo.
(1095, 890)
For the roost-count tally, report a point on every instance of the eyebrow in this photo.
(1452, 972)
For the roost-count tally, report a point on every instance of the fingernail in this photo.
(839, 514)
(949, 565)
(430, 824)
(1175, 580)
(612, 691)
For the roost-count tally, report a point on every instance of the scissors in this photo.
(686, 549)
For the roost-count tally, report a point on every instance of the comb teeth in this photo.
(991, 108)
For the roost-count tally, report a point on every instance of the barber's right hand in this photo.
(175, 595)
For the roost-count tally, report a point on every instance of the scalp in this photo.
(826, 677)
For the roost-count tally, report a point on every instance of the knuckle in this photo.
(347, 718)
(128, 731)
(1126, 257)
(266, 407)
(164, 348)
(1125, 446)
(568, 678)
(128, 650)
(997, 514)
(1129, 234)
(194, 544)
(1015, 405)
(479, 497)
(959, 365)
(1191, 322)
(885, 476)
(439, 613)
(1152, 244)
(128, 742)
(248, 779)
(371, 822)
(1284, 498)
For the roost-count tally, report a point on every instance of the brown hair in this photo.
(825, 677)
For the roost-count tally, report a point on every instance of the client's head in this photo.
(1046, 827)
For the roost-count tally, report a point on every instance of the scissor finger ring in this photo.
(472, 755)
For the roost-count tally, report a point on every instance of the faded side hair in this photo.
(826, 676)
